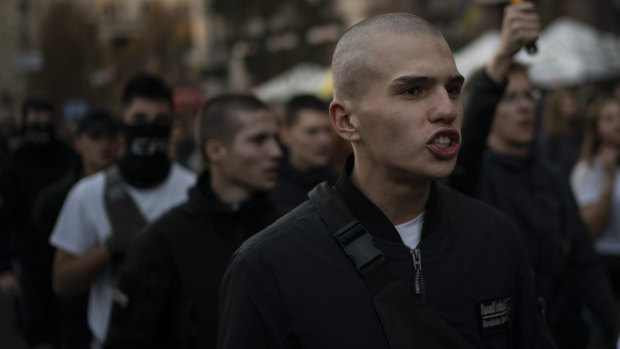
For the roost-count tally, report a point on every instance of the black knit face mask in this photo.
(145, 163)
(39, 134)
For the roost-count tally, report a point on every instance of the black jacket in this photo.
(292, 286)
(293, 185)
(29, 170)
(169, 284)
(538, 198)
(49, 319)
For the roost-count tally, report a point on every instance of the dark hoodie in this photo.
(169, 285)
(29, 170)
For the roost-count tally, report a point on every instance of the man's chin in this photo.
(322, 162)
(444, 171)
(266, 186)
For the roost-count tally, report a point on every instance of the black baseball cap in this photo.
(97, 120)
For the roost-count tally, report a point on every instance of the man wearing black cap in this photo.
(50, 320)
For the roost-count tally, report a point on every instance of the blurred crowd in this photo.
(117, 227)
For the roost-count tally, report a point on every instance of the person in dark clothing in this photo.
(51, 320)
(497, 166)
(167, 294)
(428, 267)
(307, 136)
(42, 160)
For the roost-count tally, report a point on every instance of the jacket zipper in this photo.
(419, 288)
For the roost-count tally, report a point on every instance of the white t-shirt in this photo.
(587, 185)
(83, 225)
(411, 232)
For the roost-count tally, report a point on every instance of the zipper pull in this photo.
(417, 265)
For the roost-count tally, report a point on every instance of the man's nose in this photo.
(525, 102)
(444, 108)
(273, 149)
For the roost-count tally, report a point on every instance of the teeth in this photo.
(442, 141)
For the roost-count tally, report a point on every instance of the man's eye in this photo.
(454, 91)
(260, 139)
(312, 131)
(411, 91)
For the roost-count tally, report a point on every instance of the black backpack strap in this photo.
(124, 215)
(352, 236)
(406, 320)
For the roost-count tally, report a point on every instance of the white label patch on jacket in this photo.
(494, 314)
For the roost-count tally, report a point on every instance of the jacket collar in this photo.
(202, 197)
(307, 178)
(371, 217)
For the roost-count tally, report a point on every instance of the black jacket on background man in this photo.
(538, 198)
(28, 170)
(293, 185)
(167, 293)
(50, 319)
(292, 285)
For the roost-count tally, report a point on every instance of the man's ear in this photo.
(214, 150)
(344, 125)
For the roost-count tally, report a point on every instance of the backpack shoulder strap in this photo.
(352, 237)
(124, 214)
(407, 321)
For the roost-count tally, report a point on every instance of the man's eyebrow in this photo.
(415, 79)
(411, 80)
(456, 79)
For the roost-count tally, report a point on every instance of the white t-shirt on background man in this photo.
(83, 224)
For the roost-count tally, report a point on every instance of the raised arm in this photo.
(520, 26)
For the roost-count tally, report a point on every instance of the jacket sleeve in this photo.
(141, 302)
(484, 95)
(247, 313)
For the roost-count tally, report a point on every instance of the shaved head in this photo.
(352, 65)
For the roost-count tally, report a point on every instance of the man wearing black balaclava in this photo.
(39, 162)
(104, 212)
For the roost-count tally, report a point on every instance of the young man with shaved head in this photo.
(386, 258)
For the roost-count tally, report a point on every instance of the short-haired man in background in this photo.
(170, 283)
(307, 136)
